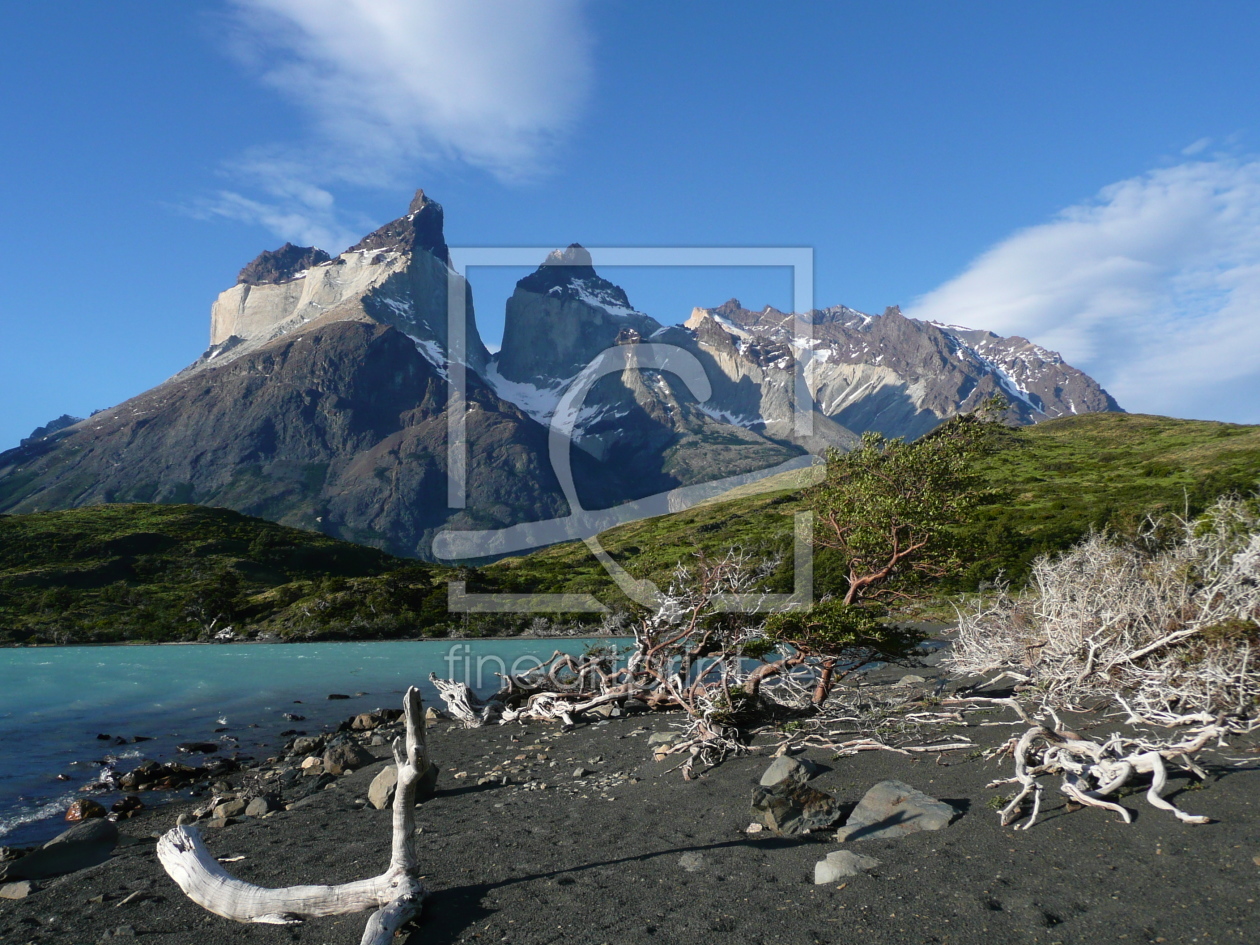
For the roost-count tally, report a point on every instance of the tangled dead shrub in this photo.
(1169, 631)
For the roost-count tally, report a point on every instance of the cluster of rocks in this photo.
(174, 776)
(785, 804)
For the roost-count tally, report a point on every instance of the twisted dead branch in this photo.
(1092, 770)
(396, 894)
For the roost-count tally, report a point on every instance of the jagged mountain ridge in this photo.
(321, 401)
(890, 373)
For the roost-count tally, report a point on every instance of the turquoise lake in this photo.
(55, 701)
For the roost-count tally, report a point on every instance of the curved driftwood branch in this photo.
(396, 894)
(1093, 770)
(463, 704)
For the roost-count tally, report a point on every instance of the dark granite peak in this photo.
(563, 268)
(51, 427)
(281, 265)
(421, 228)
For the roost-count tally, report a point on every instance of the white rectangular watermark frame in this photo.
(799, 259)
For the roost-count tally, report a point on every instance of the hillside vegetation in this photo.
(1053, 482)
(109, 573)
(181, 572)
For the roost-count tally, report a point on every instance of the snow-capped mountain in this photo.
(322, 400)
(897, 375)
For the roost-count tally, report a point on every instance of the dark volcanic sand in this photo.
(579, 864)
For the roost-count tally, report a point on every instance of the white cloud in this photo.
(491, 82)
(397, 86)
(1153, 288)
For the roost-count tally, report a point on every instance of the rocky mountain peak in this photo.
(420, 202)
(574, 255)
(421, 228)
(568, 274)
(273, 266)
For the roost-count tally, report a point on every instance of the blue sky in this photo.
(1085, 175)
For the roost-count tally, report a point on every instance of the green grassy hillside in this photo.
(1055, 481)
(182, 572)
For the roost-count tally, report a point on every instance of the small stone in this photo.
(83, 809)
(311, 761)
(230, 808)
(198, 748)
(127, 805)
(794, 810)
(692, 862)
(840, 864)
(895, 809)
(381, 790)
(433, 715)
(186, 818)
(910, 680)
(343, 758)
(754, 828)
(263, 804)
(307, 745)
(581, 772)
(787, 770)
(338, 695)
(663, 738)
(19, 890)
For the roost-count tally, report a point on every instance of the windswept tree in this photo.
(889, 517)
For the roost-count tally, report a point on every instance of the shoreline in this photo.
(461, 639)
(631, 853)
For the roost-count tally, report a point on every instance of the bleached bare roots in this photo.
(1092, 771)
(397, 894)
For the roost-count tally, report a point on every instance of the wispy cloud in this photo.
(392, 87)
(1152, 287)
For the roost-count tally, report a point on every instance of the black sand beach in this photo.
(633, 854)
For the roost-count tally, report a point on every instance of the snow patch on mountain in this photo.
(539, 402)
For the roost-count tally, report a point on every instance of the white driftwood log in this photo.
(463, 704)
(397, 893)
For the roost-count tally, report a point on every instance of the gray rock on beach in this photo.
(83, 845)
(895, 809)
(794, 810)
(263, 804)
(840, 864)
(383, 787)
(19, 890)
(307, 745)
(790, 770)
(229, 808)
(342, 758)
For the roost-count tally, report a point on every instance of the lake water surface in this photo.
(55, 701)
